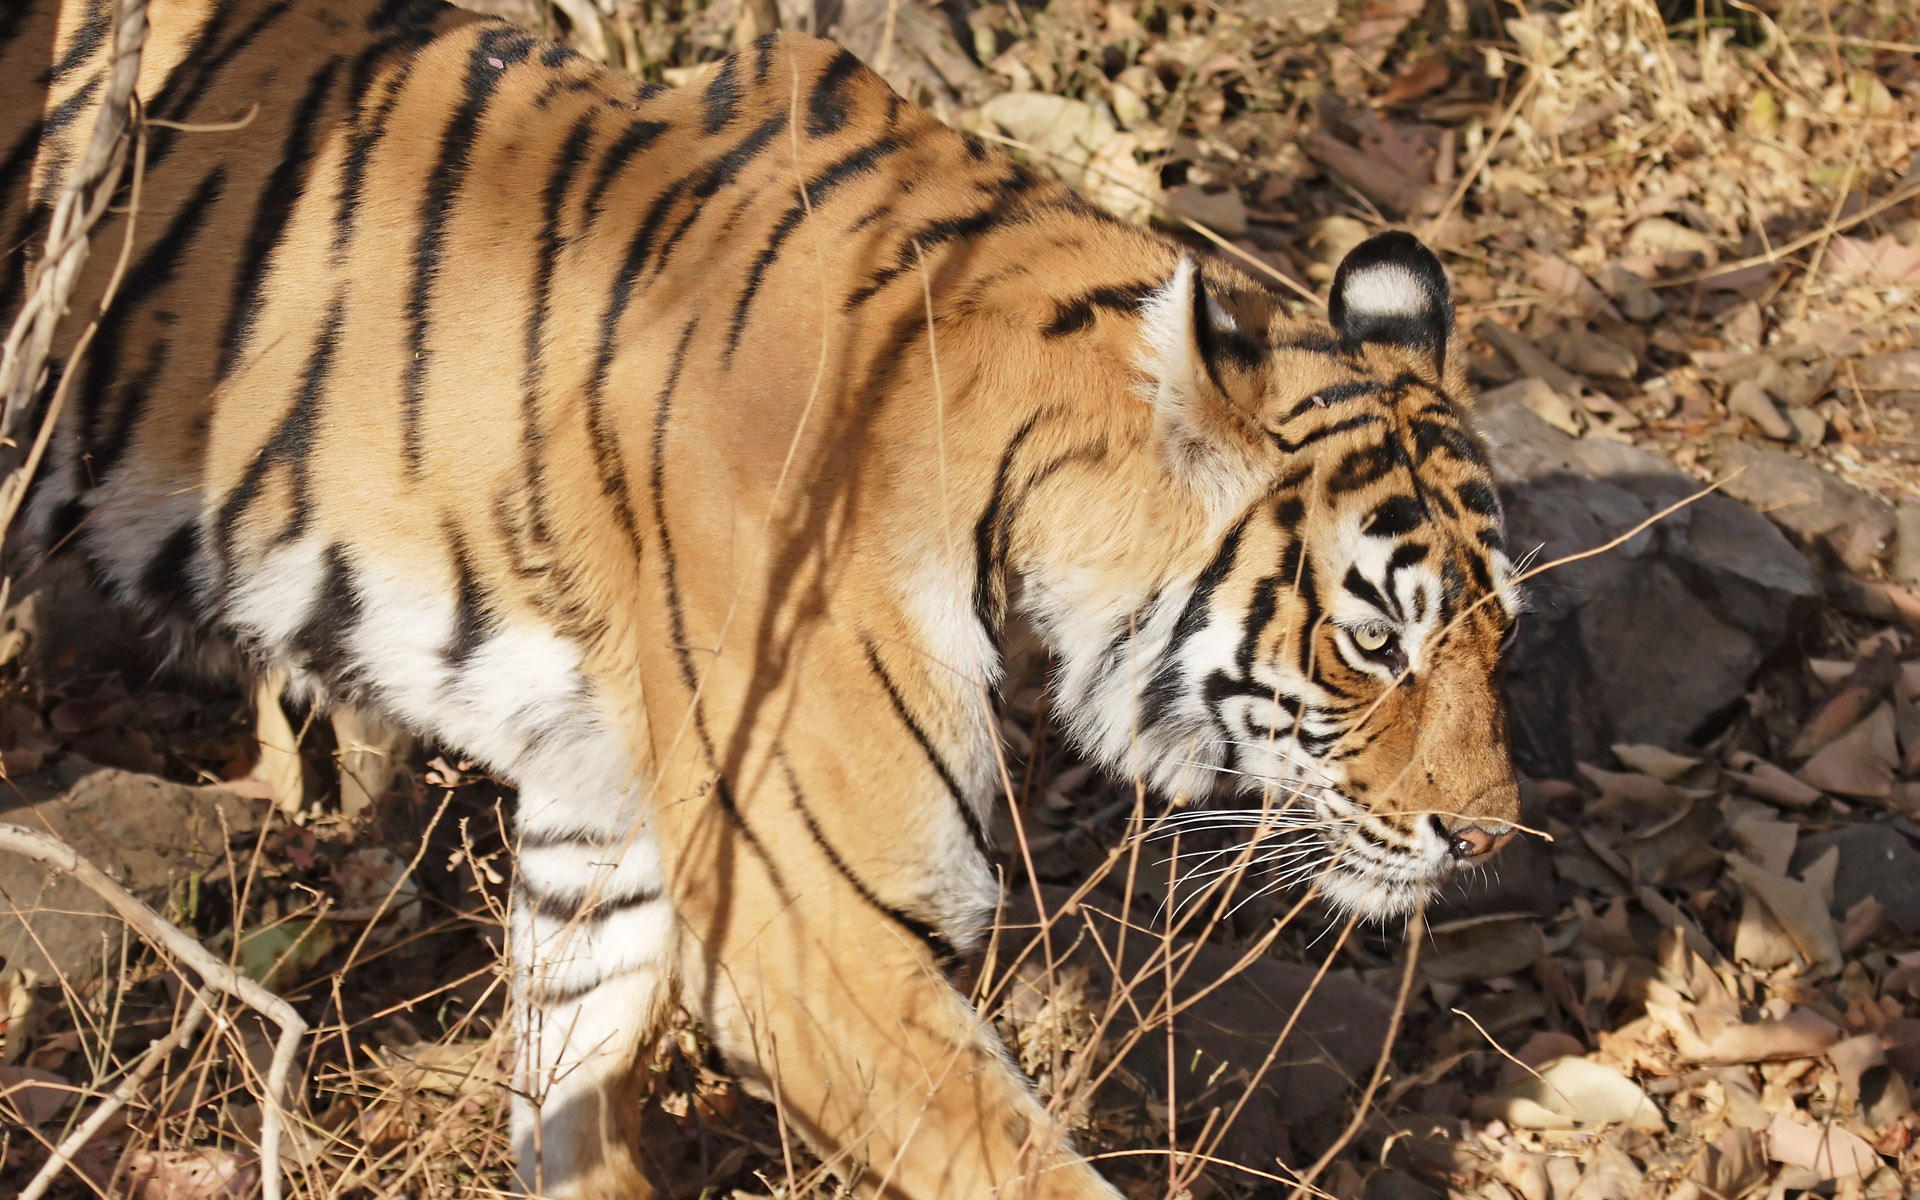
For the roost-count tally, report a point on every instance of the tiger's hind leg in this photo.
(593, 971)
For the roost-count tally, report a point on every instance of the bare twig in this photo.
(83, 201)
(50, 851)
(129, 1087)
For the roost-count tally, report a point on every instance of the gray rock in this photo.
(1819, 510)
(1875, 860)
(1906, 544)
(1652, 639)
(149, 834)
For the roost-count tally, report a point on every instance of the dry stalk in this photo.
(50, 851)
(156, 1053)
(83, 201)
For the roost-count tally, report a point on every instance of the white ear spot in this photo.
(1386, 289)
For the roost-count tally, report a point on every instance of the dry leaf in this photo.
(1714, 1034)
(1762, 780)
(1664, 765)
(33, 1095)
(201, 1174)
(1797, 906)
(1861, 761)
(1569, 286)
(1572, 1093)
(1828, 1151)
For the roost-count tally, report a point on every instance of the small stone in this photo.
(1748, 399)
(1223, 212)
(1811, 504)
(1129, 107)
(1906, 544)
(1539, 399)
(1809, 427)
(1590, 354)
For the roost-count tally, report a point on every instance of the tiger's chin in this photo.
(1374, 895)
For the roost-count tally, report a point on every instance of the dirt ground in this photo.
(1690, 227)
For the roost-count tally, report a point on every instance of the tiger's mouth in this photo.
(1322, 842)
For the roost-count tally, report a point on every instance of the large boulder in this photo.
(1647, 641)
(149, 834)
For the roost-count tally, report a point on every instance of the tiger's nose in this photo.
(1472, 841)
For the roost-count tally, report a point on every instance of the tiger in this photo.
(687, 457)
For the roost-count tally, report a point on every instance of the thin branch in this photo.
(50, 851)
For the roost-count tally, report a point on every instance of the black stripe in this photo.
(337, 612)
(1358, 468)
(1327, 431)
(593, 906)
(503, 45)
(860, 162)
(763, 55)
(13, 18)
(676, 616)
(1394, 517)
(290, 443)
(722, 96)
(1477, 496)
(59, 152)
(932, 752)
(472, 617)
(569, 159)
(199, 68)
(989, 588)
(941, 949)
(1309, 593)
(368, 129)
(1260, 612)
(928, 236)
(1071, 316)
(1156, 701)
(166, 581)
(104, 378)
(279, 195)
(1327, 396)
(637, 136)
(827, 106)
(1360, 586)
(87, 40)
(722, 173)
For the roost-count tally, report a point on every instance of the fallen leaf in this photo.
(1661, 236)
(1828, 1151)
(1762, 780)
(33, 1095)
(1881, 262)
(1859, 762)
(199, 1174)
(1223, 212)
(1664, 765)
(1568, 285)
(1570, 1093)
(1797, 906)
(1714, 1034)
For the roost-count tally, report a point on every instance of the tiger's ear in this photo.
(1204, 374)
(1391, 289)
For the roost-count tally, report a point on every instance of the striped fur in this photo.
(685, 455)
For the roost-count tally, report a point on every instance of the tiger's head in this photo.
(1325, 655)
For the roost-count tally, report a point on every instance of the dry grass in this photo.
(1745, 170)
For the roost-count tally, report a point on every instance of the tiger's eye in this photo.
(1370, 639)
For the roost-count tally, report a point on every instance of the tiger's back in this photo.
(682, 454)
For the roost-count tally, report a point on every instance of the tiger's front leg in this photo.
(592, 956)
(833, 1002)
